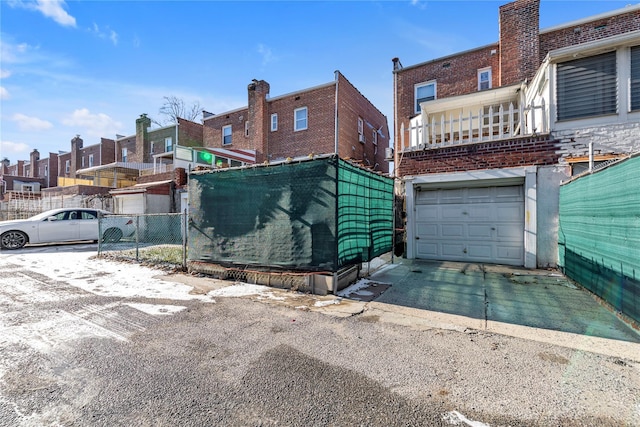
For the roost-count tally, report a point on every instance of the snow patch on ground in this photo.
(240, 289)
(157, 310)
(455, 418)
(355, 288)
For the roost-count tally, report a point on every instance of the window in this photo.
(274, 122)
(168, 145)
(82, 161)
(360, 126)
(375, 137)
(246, 128)
(124, 155)
(67, 166)
(587, 87)
(484, 78)
(300, 119)
(635, 78)
(90, 160)
(226, 135)
(152, 147)
(424, 92)
(46, 170)
(27, 188)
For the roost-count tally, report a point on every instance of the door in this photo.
(475, 224)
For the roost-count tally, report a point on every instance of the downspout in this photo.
(337, 164)
(337, 76)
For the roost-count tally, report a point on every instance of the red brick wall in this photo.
(352, 104)
(489, 155)
(318, 138)
(454, 75)
(107, 152)
(519, 42)
(212, 130)
(590, 31)
(128, 143)
(189, 133)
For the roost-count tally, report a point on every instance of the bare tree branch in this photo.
(174, 107)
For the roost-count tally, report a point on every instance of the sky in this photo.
(90, 68)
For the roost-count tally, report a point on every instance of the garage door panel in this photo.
(483, 224)
(452, 230)
(427, 230)
(477, 231)
(480, 251)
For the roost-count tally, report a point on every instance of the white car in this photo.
(64, 225)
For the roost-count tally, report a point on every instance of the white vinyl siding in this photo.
(587, 87)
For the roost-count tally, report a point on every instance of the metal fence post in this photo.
(137, 238)
(184, 239)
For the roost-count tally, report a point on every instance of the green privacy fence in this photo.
(599, 234)
(314, 215)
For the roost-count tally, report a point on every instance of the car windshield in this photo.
(44, 215)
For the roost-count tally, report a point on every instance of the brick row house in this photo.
(483, 138)
(330, 118)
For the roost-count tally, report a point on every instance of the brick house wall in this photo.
(125, 142)
(189, 133)
(518, 54)
(518, 152)
(353, 105)
(251, 126)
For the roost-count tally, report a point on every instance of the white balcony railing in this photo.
(490, 123)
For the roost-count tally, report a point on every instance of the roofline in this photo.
(626, 9)
(442, 58)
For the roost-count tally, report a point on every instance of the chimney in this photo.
(258, 116)
(76, 146)
(519, 41)
(4, 165)
(34, 157)
(143, 146)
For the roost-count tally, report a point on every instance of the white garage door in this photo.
(484, 224)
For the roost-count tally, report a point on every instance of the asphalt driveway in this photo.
(502, 298)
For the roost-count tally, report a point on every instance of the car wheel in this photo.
(112, 235)
(13, 240)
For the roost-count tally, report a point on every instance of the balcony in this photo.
(490, 115)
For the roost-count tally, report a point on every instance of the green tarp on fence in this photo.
(317, 215)
(599, 234)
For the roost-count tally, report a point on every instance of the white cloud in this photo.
(27, 123)
(4, 74)
(53, 9)
(12, 147)
(265, 52)
(106, 34)
(98, 124)
(4, 93)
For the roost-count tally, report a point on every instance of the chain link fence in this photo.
(159, 239)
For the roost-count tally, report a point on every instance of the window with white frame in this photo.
(152, 147)
(90, 160)
(168, 144)
(635, 78)
(226, 135)
(46, 170)
(67, 166)
(587, 87)
(274, 122)
(484, 78)
(375, 137)
(124, 155)
(424, 92)
(82, 161)
(246, 128)
(360, 126)
(300, 119)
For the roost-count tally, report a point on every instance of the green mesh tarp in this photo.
(599, 234)
(315, 215)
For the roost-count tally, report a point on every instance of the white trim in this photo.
(481, 71)
(415, 93)
(230, 127)
(526, 176)
(274, 122)
(295, 120)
